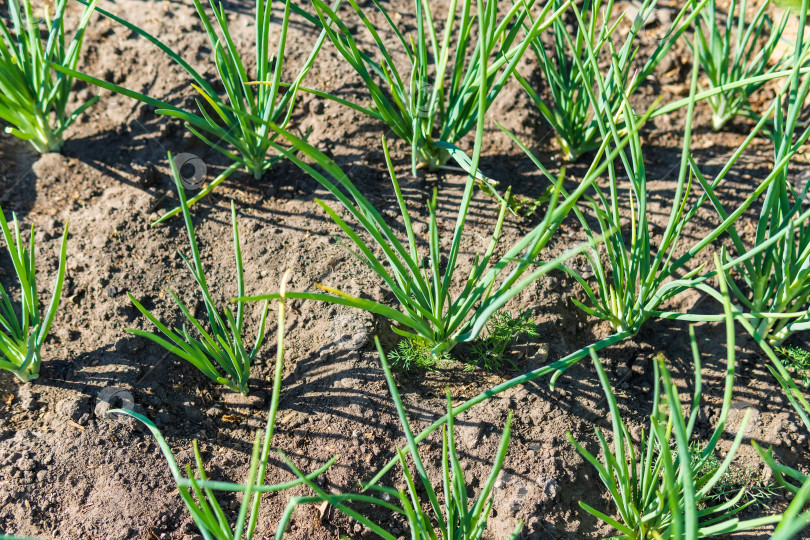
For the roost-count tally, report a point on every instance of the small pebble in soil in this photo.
(73, 408)
(253, 400)
(214, 412)
(549, 486)
(163, 418)
(316, 107)
(26, 464)
(27, 397)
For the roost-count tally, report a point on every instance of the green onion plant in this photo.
(455, 517)
(431, 310)
(21, 338)
(663, 494)
(199, 493)
(796, 518)
(776, 280)
(438, 97)
(730, 51)
(221, 350)
(638, 275)
(634, 278)
(236, 125)
(34, 98)
(574, 102)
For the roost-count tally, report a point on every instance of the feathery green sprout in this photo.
(222, 348)
(21, 340)
(503, 330)
(664, 494)
(438, 98)
(456, 517)
(206, 511)
(574, 103)
(237, 126)
(758, 491)
(731, 52)
(796, 360)
(33, 98)
(411, 354)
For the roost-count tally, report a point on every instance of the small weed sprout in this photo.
(21, 340)
(502, 330)
(758, 491)
(222, 349)
(34, 98)
(410, 354)
(796, 360)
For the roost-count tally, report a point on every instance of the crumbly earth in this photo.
(68, 471)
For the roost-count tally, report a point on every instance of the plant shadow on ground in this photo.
(18, 181)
